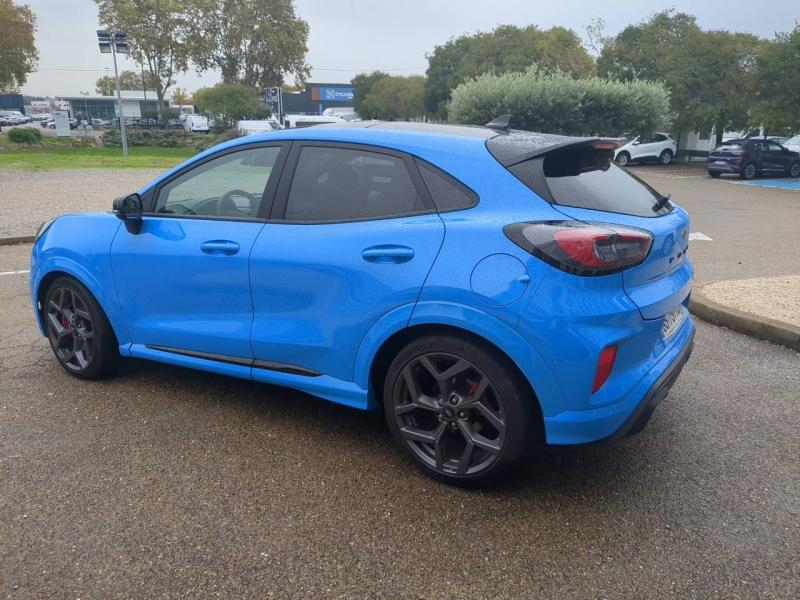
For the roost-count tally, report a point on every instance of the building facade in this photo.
(135, 105)
(316, 98)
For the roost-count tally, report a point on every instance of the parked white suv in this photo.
(660, 147)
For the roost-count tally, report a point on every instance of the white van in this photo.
(260, 126)
(196, 124)
(292, 121)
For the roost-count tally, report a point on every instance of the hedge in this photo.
(554, 102)
(25, 135)
(164, 138)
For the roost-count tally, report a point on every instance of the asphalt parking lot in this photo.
(165, 482)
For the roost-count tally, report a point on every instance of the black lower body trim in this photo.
(658, 391)
(236, 360)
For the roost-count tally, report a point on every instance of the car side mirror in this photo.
(129, 209)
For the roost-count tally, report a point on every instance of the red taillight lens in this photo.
(583, 248)
(604, 366)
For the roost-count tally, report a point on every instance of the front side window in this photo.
(230, 186)
(340, 184)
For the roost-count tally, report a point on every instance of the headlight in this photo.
(42, 228)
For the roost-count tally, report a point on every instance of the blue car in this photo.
(491, 290)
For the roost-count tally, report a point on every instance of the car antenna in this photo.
(501, 123)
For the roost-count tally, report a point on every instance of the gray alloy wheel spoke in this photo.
(477, 439)
(475, 398)
(418, 399)
(83, 314)
(456, 369)
(494, 419)
(420, 435)
(438, 450)
(57, 328)
(466, 458)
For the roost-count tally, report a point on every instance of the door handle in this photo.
(220, 247)
(388, 253)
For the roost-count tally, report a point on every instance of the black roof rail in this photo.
(501, 123)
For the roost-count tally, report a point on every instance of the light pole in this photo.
(112, 46)
(86, 109)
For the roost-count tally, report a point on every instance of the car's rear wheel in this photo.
(666, 157)
(749, 172)
(714, 173)
(459, 412)
(794, 169)
(79, 332)
(623, 158)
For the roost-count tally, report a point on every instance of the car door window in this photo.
(773, 147)
(230, 186)
(342, 184)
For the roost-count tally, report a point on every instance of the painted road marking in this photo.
(22, 272)
(774, 183)
(698, 236)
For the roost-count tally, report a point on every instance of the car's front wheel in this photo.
(794, 169)
(623, 158)
(666, 157)
(460, 412)
(79, 332)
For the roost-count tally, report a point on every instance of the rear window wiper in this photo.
(661, 203)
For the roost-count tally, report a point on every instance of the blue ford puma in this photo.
(491, 290)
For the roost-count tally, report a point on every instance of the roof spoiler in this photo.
(501, 123)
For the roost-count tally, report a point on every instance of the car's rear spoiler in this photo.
(520, 146)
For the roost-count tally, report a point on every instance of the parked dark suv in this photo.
(751, 157)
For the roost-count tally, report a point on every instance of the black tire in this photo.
(794, 169)
(749, 171)
(483, 399)
(665, 158)
(623, 159)
(714, 173)
(79, 332)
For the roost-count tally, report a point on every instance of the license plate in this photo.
(673, 321)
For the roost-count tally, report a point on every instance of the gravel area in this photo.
(772, 297)
(29, 198)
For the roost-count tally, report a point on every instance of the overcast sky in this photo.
(352, 36)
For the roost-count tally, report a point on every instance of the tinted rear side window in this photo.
(338, 184)
(447, 193)
(583, 177)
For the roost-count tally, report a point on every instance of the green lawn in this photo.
(54, 155)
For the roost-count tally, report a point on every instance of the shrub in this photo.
(25, 135)
(163, 138)
(554, 102)
(204, 142)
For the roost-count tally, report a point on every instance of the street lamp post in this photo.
(86, 110)
(119, 43)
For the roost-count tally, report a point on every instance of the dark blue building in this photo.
(316, 98)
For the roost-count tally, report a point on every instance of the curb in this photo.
(20, 239)
(755, 326)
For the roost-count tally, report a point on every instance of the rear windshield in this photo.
(731, 146)
(583, 177)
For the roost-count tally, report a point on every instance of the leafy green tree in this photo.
(554, 102)
(128, 80)
(180, 96)
(777, 90)
(163, 35)
(256, 42)
(231, 102)
(506, 48)
(362, 86)
(18, 54)
(709, 73)
(395, 98)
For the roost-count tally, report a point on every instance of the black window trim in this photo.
(472, 194)
(280, 204)
(267, 198)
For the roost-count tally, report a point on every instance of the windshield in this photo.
(795, 141)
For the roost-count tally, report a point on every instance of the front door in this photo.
(776, 158)
(352, 237)
(183, 281)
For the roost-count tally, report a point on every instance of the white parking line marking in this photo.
(699, 237)
(22, 272)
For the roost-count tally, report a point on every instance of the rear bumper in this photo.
(631, 413)
(723, 167)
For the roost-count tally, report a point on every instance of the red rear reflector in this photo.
(604, 366)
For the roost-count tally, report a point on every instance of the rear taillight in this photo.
(582, 248)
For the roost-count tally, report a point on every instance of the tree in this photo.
(506, 48)
(554, 102)
(164, 35)
(709, 73)
(362, 85)
(777, 91)
(395, 97)
(128, 80)
(180, 96)
(231, 101)
(256, 42)
(18, 55)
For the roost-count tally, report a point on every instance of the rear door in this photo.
(352, 238)
(776, 158)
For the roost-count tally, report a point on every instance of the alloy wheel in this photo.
(794, 170)
(750, 171)
(449, 414)
(70, 328)
(622, 159)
